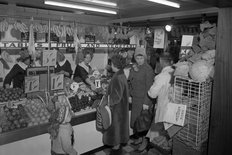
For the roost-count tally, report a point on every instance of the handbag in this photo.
(103, 115)
(143, 122)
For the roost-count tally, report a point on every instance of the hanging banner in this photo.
(49, 57)
(18, 45)
(57, 81)
(31, 84)
(159, 36)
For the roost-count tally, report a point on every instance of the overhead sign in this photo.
(15, 45)
(49, 57)
(31, 84)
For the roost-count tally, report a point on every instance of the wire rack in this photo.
(197, 97)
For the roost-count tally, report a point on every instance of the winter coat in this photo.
(160, 89)
(140, 81)
(118, 93)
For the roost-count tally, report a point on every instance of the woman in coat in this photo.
(118, 132)
(140, 79)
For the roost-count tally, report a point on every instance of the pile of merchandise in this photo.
(21, 114)
(199, 64)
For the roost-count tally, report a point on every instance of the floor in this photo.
(127, 150)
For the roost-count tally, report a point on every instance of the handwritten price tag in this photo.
(49, 58)
(57, 81)
(31, 84)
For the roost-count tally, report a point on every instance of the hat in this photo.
(24, 55)
(140, 51)
(63, 113)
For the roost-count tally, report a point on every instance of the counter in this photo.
(36, 141)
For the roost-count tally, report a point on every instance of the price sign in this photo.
(57, 81)
(49, 58)
(31, 84)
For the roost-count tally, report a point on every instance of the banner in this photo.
(18, 45)
(159, 36)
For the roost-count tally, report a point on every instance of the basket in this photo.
(197, 97)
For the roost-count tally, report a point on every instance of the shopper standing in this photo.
(161, 90)
(118, 132)
(140, 80)
(61, 131)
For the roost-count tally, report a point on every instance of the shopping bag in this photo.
(143, 122)
(103, 115)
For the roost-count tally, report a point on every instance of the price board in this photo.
(49, 57)
(31, 84)
(57, 81)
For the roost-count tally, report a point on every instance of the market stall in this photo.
(25, 112)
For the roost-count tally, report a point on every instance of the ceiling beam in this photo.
(181, 14)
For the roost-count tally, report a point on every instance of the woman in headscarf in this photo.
(140, 80)
(18, 72)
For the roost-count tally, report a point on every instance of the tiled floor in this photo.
(127, 150)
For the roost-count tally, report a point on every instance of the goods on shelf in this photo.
(22, 27)
(3, 26)
(11, 94)
(36, 111)
(12, 118)
(197, 97)
(83, 98)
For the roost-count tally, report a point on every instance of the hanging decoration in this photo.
(4, 26)
(31, 46)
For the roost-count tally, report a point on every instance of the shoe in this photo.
(116, 152)
(143, 146)
(137, 141)
(116, 147)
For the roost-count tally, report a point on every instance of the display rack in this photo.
(197, 97)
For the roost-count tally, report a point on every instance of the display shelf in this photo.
(20, 134)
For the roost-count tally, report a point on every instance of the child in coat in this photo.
(61, 131)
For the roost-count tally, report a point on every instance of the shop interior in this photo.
(197, 35)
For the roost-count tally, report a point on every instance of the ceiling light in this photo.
(102, 2)
(168, 28)
(77, 6)
(165, 2)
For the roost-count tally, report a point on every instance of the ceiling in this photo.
(128, 9)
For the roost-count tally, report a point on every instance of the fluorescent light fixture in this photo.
(102, 2)
(165, 2)
(81, 7)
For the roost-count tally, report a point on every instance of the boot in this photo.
(144, 144)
